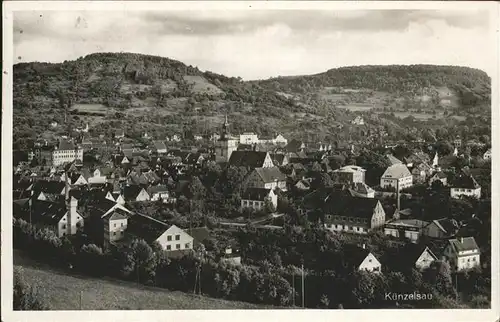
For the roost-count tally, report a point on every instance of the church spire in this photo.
(225, 129)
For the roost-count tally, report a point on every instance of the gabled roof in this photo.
(146, 227)
(259, 194)
(465, 181)
(361, 187)
(294, 145)
(116, 214)
(393, 160)
(350, 168)
(159, 145)
(131, 192)
(463, 244)
(252, 159)
(66, 145)
(244, 147)
(49, 187)
(355, 255)
(278, 158)
(448, 226)
(270, 174)
(199, 234)
(440, 175)
(158, 188)
(351, 207)
(397, 171)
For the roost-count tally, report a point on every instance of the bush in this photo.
(26, 297)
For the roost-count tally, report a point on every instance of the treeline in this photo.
(267, 283)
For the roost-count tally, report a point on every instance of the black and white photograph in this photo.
(250, 156)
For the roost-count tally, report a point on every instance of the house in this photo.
(349, 174)
(175, 138)
(58, 216)
(417, 157)
(487, 154)
(248, 138)
(279, 159)
(230, 256)
(352, 214)
(159, 192)
(361, 259)
(408, 229)
(66, 152)
(465, 185)
(159, 147)
(267, 178)
(133, 193)
(361, 189)
(280, 139)
(425, 259)
(47, 190)
(115, 223)
(438, 176)
(393, 160)
(358, 121)
(251, 159)
(170, 237)
(303, 185)
(441, 228)
(462, 253)
(396, 176)
(420, 171)
(256, 198)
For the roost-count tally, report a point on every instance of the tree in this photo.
(90, 259)
(26, 297)
(196, 190)
(324, 302)
(141, 260)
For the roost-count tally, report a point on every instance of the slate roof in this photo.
(159, 145)
(463, 244)
(361, 187)
(66, 145)
(351, 207)
(146, 227)
(466, 182)
(396, 171)
(393, 160)
(355, 255)
(270, 174)
(448, 226)
(244, 147)
(252, 159)
(131, 192)
(294, 145)
(156, 189)
(199, 234)
(350, 168)
(259, 194)
(48, 187)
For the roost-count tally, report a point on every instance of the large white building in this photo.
(249, 138)
(465, 185)
(397, 175)
(462, 253)
(65, 152)
(225, 145)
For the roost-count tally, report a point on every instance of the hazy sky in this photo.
(261, 44)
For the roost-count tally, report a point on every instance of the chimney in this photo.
(364, 246)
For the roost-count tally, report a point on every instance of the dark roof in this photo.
(448, 226)
(440, 175)
(245, 147)
(49, 187)
(117, 213)
(158, 188)
(278, 158)
(66, 145)
(463, 244)
(252, 159)
(355, 255)
(255, 194)
(159, 145)
(146, 227)
(270, 174)
(131, 192)
(465, 181)
(351, 207)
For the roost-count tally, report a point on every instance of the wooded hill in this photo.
(164, 96)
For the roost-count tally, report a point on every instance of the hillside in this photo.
(165, 97)
(62, 292)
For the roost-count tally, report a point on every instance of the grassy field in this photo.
(62, 292)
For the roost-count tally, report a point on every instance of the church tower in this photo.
(225, 145)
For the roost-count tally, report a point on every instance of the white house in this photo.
(408, 229)
(249, 138)
(465, 185)
(425, 259)
(61, 219)
(350, 174)
(361, 259)
(66, 152)
(256, 198)
(487, 155)
(396, 175)
(174, 238)
(462, 253)
(280, 139)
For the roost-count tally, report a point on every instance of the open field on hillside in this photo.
(62, 292)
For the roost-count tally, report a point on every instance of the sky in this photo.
(259, 44)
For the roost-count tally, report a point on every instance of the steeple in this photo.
(225, 130)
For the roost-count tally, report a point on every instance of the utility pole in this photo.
(293, 289)
(303, 306)
(81, 300)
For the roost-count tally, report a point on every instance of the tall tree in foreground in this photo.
(26, 297)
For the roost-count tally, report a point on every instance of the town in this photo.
(272, 220)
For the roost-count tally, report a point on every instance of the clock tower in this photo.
(225, 145)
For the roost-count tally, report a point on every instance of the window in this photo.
(63, 226)
(114, 225)
(473, 259)
(78, 225)
(169, 238)
(178, 246)
(177, 237)
(114, 233)
(122, 224)
(169, 247)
